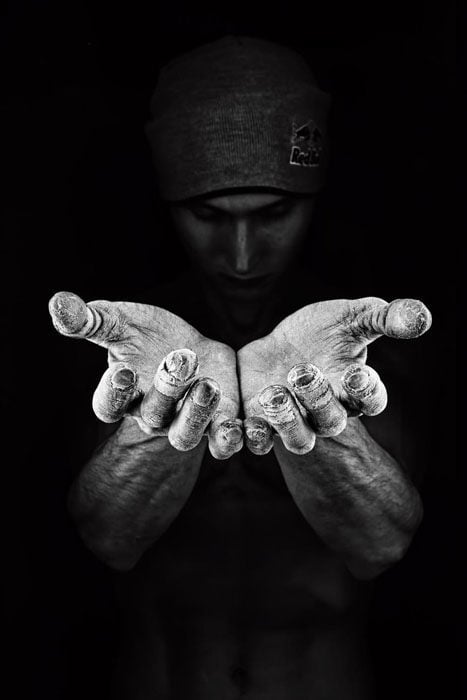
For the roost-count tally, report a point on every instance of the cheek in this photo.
(290, 235)
(200, 247)
(284, 244)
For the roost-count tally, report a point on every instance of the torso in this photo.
(239, 598)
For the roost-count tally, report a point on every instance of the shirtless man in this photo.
(241, 497)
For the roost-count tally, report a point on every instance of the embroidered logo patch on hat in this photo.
(306, 143)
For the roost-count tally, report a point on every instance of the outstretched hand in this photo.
(300, 381)
(310, 373)
(161, 371)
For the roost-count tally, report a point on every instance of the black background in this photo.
(81, 214)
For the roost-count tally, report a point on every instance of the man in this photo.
(241, 496)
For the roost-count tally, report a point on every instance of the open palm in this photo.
(147, 379)
(310, 372)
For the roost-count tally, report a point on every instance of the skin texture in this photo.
(316, 359)
(334, 336)
(143, 369)
(246, 576)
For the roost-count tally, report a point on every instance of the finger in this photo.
(402, 318)
(173, 378)
(364, 390)
(225, 432)
(313, 390)
(196, 412)
(114, 392)
(258, 435)
(97, 321)
(225, 437)
(284, 416)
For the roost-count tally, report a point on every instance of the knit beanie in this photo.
(239, 112)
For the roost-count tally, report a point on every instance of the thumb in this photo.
(401, 318)
(99, 321)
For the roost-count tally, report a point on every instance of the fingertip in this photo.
(407, 318)
(273, 396)
(225, 438)
(356, 380)
(314, 392)
(284, 415)
(114, 393)
(376, 407)
(181, 365)
(302, 375)
(309, 386)
(365, 390)
(176, 373)
(123, 378)
(69, 313)
(259, 436)
(205, 392)
(256, 427)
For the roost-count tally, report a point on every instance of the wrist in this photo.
(352, 435)
(129, 434)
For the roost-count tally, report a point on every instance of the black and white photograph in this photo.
(231, 319)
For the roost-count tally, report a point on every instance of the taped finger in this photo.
(196, 412)
(114, 392)
(327, 415)
(173, 378)
(284, 416)
(225, 437)
(364, 390)
(259, 436)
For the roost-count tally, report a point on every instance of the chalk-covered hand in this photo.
(161, 371)
(309, 374)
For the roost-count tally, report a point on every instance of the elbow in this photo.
(372, 564)
(117, 555)
(114, 551)
(117, 561)
(385, 554)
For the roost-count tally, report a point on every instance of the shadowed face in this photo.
(243, 242)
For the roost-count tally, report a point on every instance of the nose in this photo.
(243, 247)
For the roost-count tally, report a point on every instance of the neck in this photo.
(240, 320)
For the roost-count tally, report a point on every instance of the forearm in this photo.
(356, 498)
(130, 491)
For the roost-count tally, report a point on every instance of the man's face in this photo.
(243, 242)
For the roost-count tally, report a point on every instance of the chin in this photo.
(243, 286)
(242, 295)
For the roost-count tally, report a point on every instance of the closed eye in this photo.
(276, 210)
(204, 212)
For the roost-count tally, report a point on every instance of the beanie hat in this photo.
(238, 112)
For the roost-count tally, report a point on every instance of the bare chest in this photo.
(242, 549)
